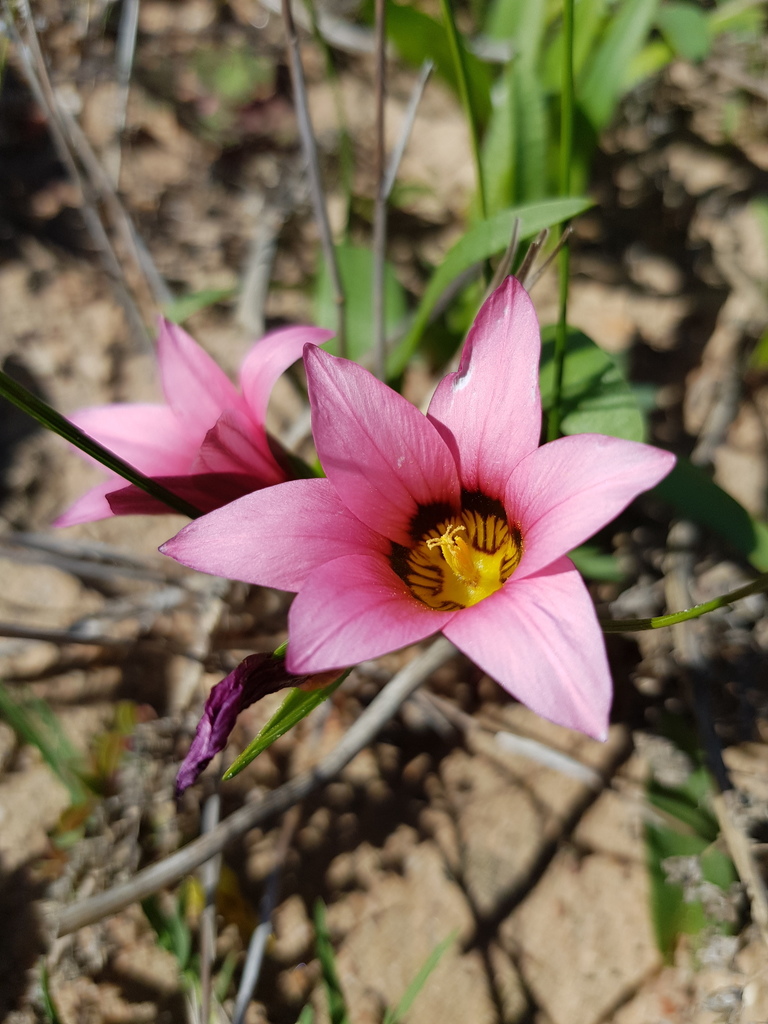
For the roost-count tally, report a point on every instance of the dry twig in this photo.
(181, 863)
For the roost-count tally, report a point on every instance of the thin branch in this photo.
(124, 53)
(63, 636)
(506, 261)
(758, 586)
(694, 662)
(258, 944)
(530, 257)
(32, 61)
(209, 880)
(380, 201)
(534, 277)
(315, 175)
(408, 121)
(358, 736)
(105, 191)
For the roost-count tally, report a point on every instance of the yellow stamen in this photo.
(457, 554)
(446, 571)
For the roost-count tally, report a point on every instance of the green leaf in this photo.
(418, 983)
(171, 929)
(337, 1006)
(694, 494)
(604, 81)
(34, 723)
(418, 37)
(297, 705)
(648, 61)
(685, 28)
(672, 915)
(482, 241)
(307, 1016)
(183, 308)
(47, 417)
(596, 398)
(356, 269)
(596, 564)
(737, 16)
(590, 18)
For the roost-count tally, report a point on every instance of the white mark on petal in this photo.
(461, 379)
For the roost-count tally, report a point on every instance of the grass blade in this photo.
(47, 417)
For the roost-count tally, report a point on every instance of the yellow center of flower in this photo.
(463, 558)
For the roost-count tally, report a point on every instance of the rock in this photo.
(396, 927)
(583, 938)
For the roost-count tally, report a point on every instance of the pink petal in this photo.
(489, 412)
(92, 506)
(148, 437)
(565, 491)
(206, 491)
(540, 639)
(196, 387)
(384, 458)
(271, 357)
(237, 445)
(275, 537)
(352, 609)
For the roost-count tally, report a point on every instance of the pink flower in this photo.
(208, 444)
(455, 522)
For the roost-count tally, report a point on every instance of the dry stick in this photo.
(124, 54)
(313, 163)
(380, 201)
(33, 63)
(530, 257)
(121, 219)
(258, 944)
(181, 863)
(544, 266)
(505, 263)
(209, 880)
(681, 538)
(408, 120)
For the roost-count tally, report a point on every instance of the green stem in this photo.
(457, 54)
(758, 586)
(566, 158)
(52, 420)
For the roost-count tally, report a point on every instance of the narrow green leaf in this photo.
(604, 80)
(356, 269)
(482, 241)
(337, 1006)
(596, 398)
(596, 564)
(183, 308)
(297, 705)
(470, 102)
(418, 983)
(685, 28)
(307, 1016)
(39, 410)
(418, 37)
(737, 16)
(694, 494)
(49, 1006)
(648, 61)
(590, 18)
(34, 723)
(499, 152)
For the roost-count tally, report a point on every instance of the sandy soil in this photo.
(438, 829)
